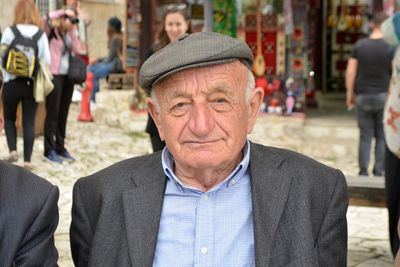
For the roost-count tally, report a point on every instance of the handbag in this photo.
(43, 82)
(77, 68)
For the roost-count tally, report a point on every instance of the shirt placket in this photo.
(204, 239)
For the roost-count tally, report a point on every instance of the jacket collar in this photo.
(270, 188)
(142, 207)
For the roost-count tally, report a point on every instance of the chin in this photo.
(204, 160)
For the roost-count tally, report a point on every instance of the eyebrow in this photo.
(217, 89)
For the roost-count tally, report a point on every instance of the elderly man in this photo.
(211, 198)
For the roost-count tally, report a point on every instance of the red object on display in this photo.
(263, 83)
(276, 84)
(85, 115)
(274, 102)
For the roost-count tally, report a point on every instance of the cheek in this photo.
(172, 128)
(182, 29)
(233, 124)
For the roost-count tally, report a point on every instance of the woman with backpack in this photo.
(18, 85)
(60, 26)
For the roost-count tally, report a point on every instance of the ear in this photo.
(152, 109)
(257, 97)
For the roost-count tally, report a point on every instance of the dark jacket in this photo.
(299, 212)
(28, 218)
(151, 127)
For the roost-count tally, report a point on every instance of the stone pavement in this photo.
(97, 145)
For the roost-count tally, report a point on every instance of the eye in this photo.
(220, 100)
(180, 108)
(180, 105)
(221, 104)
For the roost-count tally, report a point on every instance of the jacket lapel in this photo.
(142, 208)
(270, 187)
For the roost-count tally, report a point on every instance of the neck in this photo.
(376, 34)
(205, 179)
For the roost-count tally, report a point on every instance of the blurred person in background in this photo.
(20, 89)
(367, 81)
(84, 22)
(175, 22)
(112, 63)
(391, 32)
(60, 26)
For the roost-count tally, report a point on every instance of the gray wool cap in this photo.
(190, 51)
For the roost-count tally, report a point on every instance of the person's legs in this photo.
(52, 109)
(29, 107)
(96, 85)
(11, 98)
(379, 144)
(65, 102)
(99, 70)
(366, 125)
(392, 186)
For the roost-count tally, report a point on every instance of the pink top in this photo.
(56, 43)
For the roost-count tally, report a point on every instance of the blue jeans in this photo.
(369, 109)
(99, 70)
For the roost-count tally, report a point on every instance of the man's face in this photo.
(204, 117)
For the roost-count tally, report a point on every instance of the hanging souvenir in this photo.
(224, 16)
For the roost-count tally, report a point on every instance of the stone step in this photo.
(366, 191)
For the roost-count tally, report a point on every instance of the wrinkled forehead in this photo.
(229, 76)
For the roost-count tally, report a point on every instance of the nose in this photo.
(202, 121)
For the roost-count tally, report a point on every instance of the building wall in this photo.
(6, 13)
(100, 13)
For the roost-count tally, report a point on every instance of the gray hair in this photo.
(251, 84)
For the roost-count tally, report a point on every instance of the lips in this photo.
(201, 142)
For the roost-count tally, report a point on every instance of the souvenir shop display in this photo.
(352, 24)
(276, 32)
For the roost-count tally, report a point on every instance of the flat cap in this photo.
(193, 50)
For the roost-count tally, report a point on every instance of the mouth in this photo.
(201, 142)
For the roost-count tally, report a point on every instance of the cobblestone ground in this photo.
(96, 146)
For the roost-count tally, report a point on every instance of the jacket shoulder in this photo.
(21, 187)
(299, 165)
(118, 175)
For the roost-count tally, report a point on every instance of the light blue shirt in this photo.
(206, 229)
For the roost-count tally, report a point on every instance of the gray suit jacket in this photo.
(28, 218)
(299, 210)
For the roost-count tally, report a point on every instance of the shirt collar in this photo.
(233, 178)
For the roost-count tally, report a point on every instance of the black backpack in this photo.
(21, 56)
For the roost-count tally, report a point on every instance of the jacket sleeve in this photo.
(45, 53)
(332, 240)
(37, 247)
(81, 233)
(7, 36)
(75, 43)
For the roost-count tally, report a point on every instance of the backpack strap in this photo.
(37, 35)
(15, 31)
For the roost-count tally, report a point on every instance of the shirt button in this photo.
(203, 250)
(205, 197)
